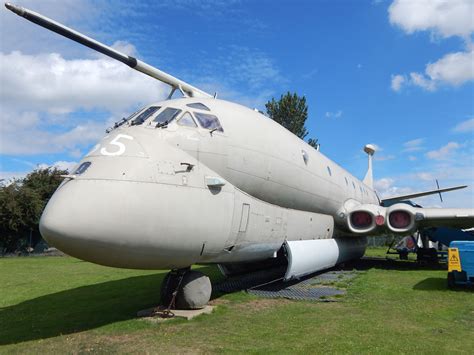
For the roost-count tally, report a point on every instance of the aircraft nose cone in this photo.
(57, 224)
(120, 223)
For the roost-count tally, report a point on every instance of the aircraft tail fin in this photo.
(369, 178)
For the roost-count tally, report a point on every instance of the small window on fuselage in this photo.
(82, 168)
(166, 116)
(329, 171)
(347, 183)
(305, 156)
(208, 121)
(144, 115)
(187, 120)
(198, 106)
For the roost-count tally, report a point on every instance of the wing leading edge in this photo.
(390, 200)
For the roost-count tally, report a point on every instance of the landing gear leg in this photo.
(185, 289)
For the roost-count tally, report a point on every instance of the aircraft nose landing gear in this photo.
(185, 289)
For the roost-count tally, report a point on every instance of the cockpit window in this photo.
(166, 116)
(82, 168)
(144, 115)
(133, 115)
(208, 121)
(198, 106)
(187, 120)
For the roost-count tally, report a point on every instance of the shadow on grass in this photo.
(438, 284)
(81, 308)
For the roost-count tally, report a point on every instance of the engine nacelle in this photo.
(401, 218)
(366, 219)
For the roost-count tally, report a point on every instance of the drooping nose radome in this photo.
(121, 224)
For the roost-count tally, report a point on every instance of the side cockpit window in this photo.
(139, 119)
(199, 106)
(166, 116)
(208, 121)
(187, 120)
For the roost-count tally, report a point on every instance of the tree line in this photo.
(21, 203)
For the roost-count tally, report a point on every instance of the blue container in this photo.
(466, 256)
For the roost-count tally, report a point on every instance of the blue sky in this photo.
(393, 73)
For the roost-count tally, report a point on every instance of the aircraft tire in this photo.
(195, 291)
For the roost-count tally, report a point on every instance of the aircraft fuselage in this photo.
(171, 196)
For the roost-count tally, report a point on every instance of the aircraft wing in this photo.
(445, 217)
(393, 199)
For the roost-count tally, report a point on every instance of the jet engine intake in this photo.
(365, 219)
(401, 218)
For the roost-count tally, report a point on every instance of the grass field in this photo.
(64, 305)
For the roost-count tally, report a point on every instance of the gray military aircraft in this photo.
(197, 180)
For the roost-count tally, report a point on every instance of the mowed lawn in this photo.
(64, 305)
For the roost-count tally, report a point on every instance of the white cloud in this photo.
(61, 164)
(377, 150)
(412, 158)
(233, 65)
(465, 126)
(397, 82)
(425, 176)
(383, 184)
(39, 93)
(376, 147)
(458, 170)
(7, 177)
(443, 17)
(444, 152)
(418, 79)
(48, 82)
(414, 145)
(385, 187)
(384, 157)
(37, 140)
(453, 69)
(336, 114)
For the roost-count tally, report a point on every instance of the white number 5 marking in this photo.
(120, 145)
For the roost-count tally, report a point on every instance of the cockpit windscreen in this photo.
(166, 116)
(209, 121)
(144, 115)
(199, 106)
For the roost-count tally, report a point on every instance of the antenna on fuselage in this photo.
(43, 21)
(369, 178)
